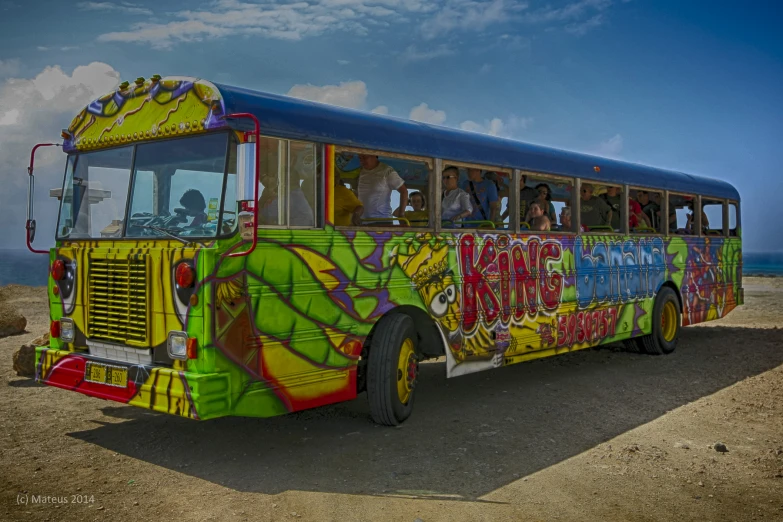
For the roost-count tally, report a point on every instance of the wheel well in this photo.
(430, 341)
(670, 284)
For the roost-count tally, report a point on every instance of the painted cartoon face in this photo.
(441, 299)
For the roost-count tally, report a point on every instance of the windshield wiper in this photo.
(171, 234)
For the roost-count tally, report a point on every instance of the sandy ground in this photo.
(595, 435)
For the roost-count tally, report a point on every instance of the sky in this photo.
(695, 86)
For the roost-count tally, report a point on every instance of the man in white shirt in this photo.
(376, 182)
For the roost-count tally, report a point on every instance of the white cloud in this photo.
(424, 114)
(343, 62)
(568, 12)
(473, 15)
(412, 54)
(582, 28)
(498, 127)
(9, 67)
(34, 110)
(123, 7)
(302, 19)
(10, 117)
(381, 109)
(611, 147)
(347, 94)
(486, 68)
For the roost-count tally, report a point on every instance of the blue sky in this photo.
(693, 86)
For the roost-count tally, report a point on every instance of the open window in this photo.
(649, 202)
(289, 179)
(712, 217)
(370, 189)
(545, 203)
(595, 212)
(682, 215)
(475, 197)
(734, 220)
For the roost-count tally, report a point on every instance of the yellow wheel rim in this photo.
(406, 371)
(669, 321)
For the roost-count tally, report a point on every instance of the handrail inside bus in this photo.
(30, 224)
(256, 178)
(600, 227)
(480, 222)
(384, 220)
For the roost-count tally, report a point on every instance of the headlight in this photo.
(67, 330)
(178, 345)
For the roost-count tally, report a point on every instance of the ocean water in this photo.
(24, 268)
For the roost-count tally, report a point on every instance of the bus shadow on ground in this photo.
(467, 437)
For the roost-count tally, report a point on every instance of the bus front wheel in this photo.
(392, 370)
(666, 324)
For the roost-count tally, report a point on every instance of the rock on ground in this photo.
(24, 357)
(11, 321)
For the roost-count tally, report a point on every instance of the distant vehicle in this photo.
(212, 258)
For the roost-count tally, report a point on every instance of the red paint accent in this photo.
(58, 270)
(54, 329)
(68, 373)
(186, 276)
(191, 348)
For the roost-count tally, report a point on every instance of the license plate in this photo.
(106, 374)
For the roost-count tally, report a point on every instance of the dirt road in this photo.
(595, 435)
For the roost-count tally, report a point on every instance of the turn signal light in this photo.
(54, 329)
(186, 276)
(192, 348)
(58, 270)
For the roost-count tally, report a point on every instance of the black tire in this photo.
(387, 341)
(656, 343)
(632, 346)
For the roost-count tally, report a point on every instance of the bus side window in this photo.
(545, 203)
(712, 217)
(734, 224)
(289, 180)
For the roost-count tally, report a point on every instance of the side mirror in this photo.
(246, 171)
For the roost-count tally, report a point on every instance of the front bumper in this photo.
(191, 395)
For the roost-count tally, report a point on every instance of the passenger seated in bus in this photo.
(419, 216)
(636, 217)
(502, 190)
(376, 182)
(565, 220)
(300, 212)
(455, 202)
(594, 211)
(690, 225)
(483, 196)
(347, 207)
(544, 200)
(194, 204)
(526, 197)
(538, 220)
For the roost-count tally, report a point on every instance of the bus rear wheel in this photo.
(666, 325)
(392, 370)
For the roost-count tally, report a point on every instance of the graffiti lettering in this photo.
(586, 326)
(507, 279)
(618, 271)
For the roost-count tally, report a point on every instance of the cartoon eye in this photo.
(451, 293)
(439, 304)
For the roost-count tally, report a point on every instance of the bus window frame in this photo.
(648, 190)
(431, 164)
(724, 203)
(737, 219)
(623, 208)
(696, 198)
(460, 164)
(553, 178)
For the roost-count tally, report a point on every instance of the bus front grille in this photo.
(118, 300)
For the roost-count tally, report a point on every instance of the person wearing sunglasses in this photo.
(594, 211)
(455, 202)
(544, 200)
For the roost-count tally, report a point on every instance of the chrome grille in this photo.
(118, 300)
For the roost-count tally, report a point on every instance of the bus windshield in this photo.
(176, 189)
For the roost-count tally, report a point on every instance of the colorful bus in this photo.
(209, 261)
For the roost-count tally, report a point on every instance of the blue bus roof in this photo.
(292, 118)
